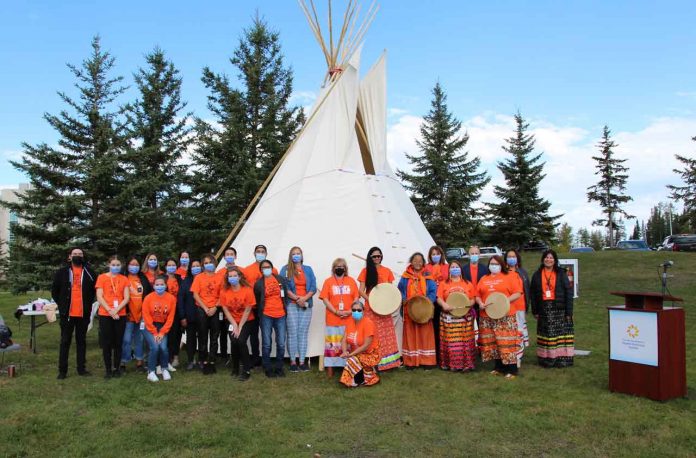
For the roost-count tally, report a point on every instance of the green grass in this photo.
(553, 412)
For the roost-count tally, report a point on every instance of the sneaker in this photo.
(175, 361)
(171, 368)
(510, 376)
(304, 367)
(152, 377)
(166, 376)
(280, 372)
(244, 376)
(84, 373)
(496, 372)
(206, 369)
(191, 366)
(294, 368)
(158, 370)
(212, 368)
(270, 373)
(62, 375)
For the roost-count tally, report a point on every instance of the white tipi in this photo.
(334, 194)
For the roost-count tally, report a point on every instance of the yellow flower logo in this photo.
(633, 331)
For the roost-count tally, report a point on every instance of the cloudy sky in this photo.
(569, 67)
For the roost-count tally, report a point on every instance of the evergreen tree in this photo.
(72, 199)
(583, 237)
(153, 196)
(687, 192)
(636, 231)
(596, 240)
(564, 237)
(445, 184)
(522, 215)
(608, 192)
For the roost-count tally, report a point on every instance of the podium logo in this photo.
(632, 331)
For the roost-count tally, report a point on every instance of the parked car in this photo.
(462, 254)
(582, 249)
(535, 245)
(679, 242)
(490, 251)
(455, 254)
(632, 245)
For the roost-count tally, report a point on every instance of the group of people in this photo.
(226, 307)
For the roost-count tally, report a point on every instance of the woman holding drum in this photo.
(455, 296)
(418, 293)
(498, 333)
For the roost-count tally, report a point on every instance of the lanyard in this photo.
(548, 281)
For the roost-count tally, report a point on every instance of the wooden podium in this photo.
(647, 346)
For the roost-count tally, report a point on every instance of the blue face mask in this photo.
(229, 259)
(133, 270)
(436, 258)
(115, 269)
(234, 281)
(495, 268)
(195, 270)
(184, 261)
(511, 261)
(357, 315)
(209, 266)
(296, 257)
(267, 271)
(260, 257)
(474, 258)
(171, 269)
(160, 289)
(455, 271)
(152, 263)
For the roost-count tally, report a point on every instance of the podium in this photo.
(647, 346)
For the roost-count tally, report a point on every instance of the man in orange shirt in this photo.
(253, 273)
(73, 291)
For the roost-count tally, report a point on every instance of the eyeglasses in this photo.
(376, 256)
(357, 310)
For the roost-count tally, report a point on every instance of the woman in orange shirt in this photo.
(174, 337)
(230, 258)
(500, 339)
(271, 292)
(206, 294)
(360, 349)
(373, 274)
(139, 287)
(184, 261)
(151, 268)
(438, 269)
(237, 301)
(113, 295)
(337, 292)
(457, 343)
(159, 308)
(513, 259)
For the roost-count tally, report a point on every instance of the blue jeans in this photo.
(159, 354)
(269, 325)
(135, 335)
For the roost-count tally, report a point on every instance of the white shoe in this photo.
(158, 370)
(165, 375)
(152, 377)
(175, 361)
(171, 368)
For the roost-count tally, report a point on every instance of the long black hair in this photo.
(371, 268)
(556, 264)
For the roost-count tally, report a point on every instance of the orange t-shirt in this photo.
(252, 273)
(439, 272)
(172, 286)
(507, 284)
(159, 309)
(357, 333)
(135, 304)
(519, 304)
(462, 286)
(548, 285)
(182, 272)
(384, 275)
(473, 268)
(76, 309)
(339, 291)
(237, 301)
(113, 289)
(273, 304)
(150, 274)
(207, 286)
(300, 283)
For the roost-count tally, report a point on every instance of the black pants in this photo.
(111, 339)
(174, 338)
(67, 326)
(254, 341)
(207, 325)
(191, 339)
(505, 368)
(224, 336)
(239, 350)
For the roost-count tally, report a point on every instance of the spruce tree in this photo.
(636, 231)
(609, 191)
(521, 215)
(687, 192)
(445, 184)
(74, 185)
(564, 237)
(583, 237)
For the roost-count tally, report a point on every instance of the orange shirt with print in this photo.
(252, 273)
(548, 285)
(113, 289)
(439, 272)
(172, 286)
(76, 309)
(519, 304)
(159, 309)
(339, 291)
(207, 286)
(462, 286)
(135, 304)
(237, 301)
(384, 275)
(501, 283)
(182, 272)
(357, 333)
(273, 303)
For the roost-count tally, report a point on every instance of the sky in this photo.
(568, 67)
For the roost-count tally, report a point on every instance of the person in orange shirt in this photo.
(513, 259)
(151, 268)
(113, 293)
(337, 293)
(457, 342)
(230, 258)
(184, 261)
(139, 287)
(237, 301)
(373, 274)
(206, 293)
(159, 308)
(500, 338)
(252, 273)
(360, 349)
(271, 292)
(174, 337)
(438, 269)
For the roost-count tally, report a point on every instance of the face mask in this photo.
(184, 261)
(260, 257)
(77, 260)
(511, 261)
(267, 271)
(115, 269)
(234, 281)
(229, 259)
(152, 263)
(357, 315)
(171, 269)
(160, 289)
(455, 271)
(474, 258)
(339, 271)
(296, 257)
(436, 258)
(494, 268)
(133, 270)
(195, 270)
(209, 266)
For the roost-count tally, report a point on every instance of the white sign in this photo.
(572, 267)
(633, 337)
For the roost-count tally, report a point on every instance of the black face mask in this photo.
(77, 260)
(339, 271)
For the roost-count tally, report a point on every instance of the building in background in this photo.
(8, 218)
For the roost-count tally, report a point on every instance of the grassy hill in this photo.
(552, 412)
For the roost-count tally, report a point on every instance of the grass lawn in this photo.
(553, 412)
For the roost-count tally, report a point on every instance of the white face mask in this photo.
(494, 268)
